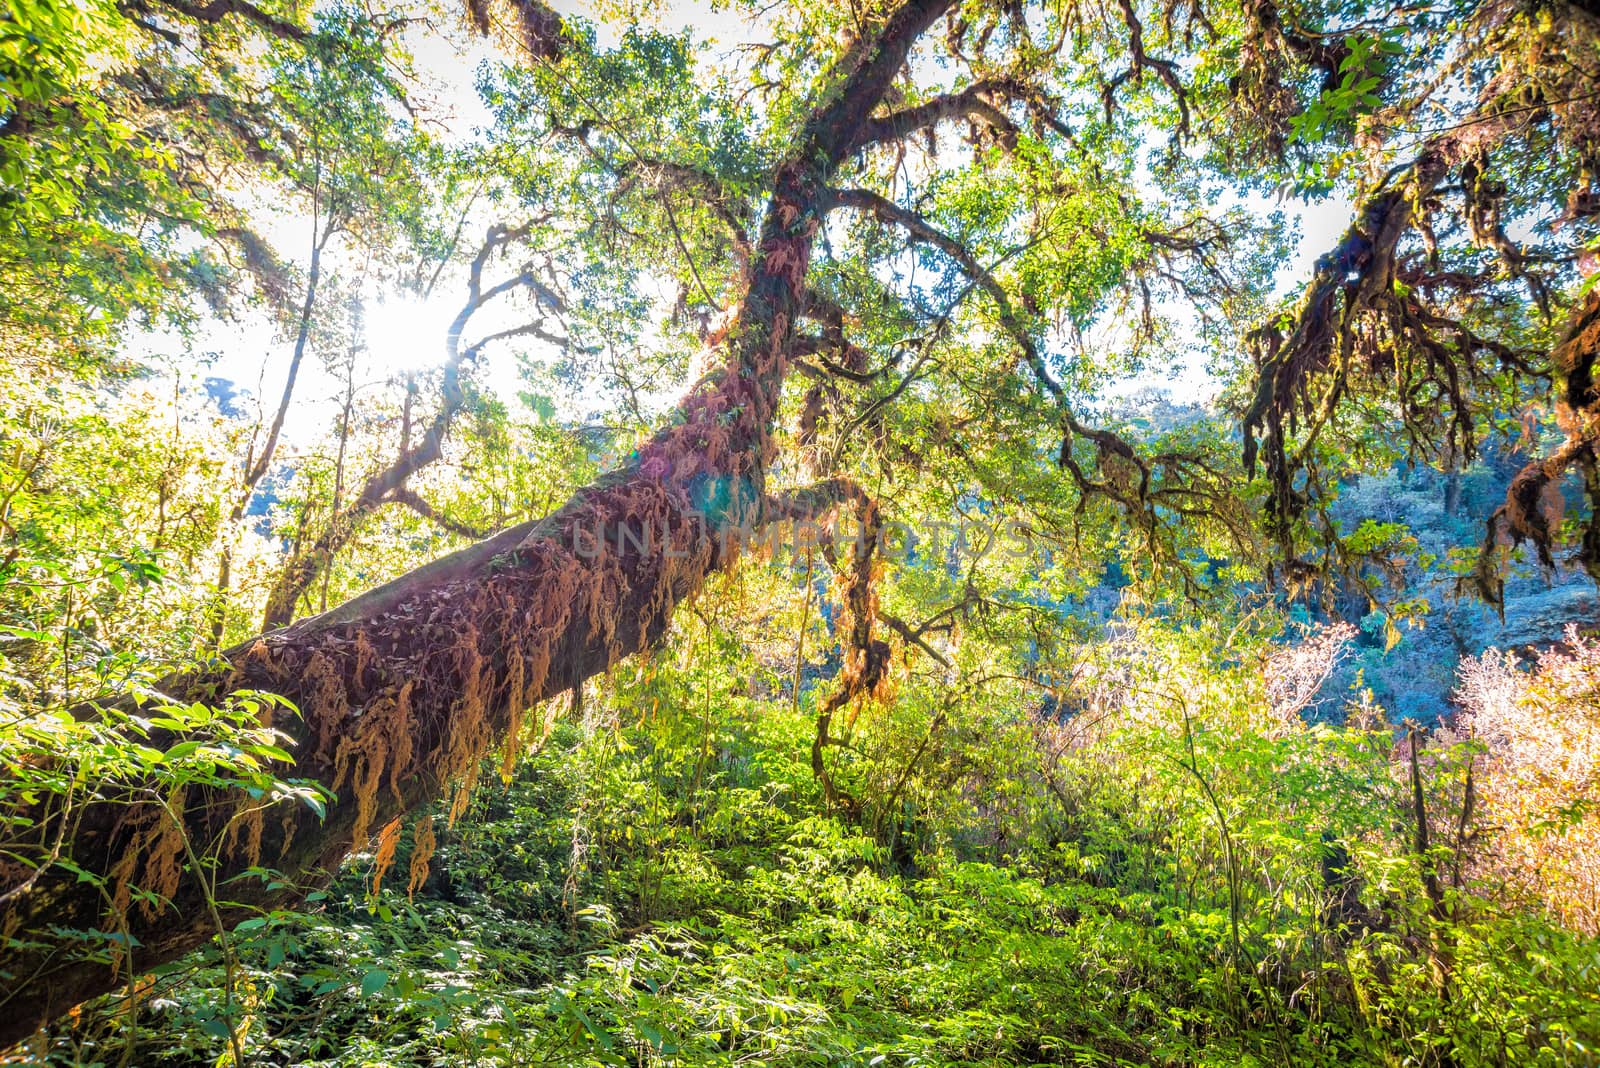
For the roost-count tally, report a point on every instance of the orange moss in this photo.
(422, 848)
(514, 702)
(471, 734)
(152, 861)
(381, 741)
(248, 824)
(383, 860)
(323, 700)
(366, 657)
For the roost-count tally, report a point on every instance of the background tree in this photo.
(119, 127)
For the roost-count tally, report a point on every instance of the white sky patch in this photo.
(725, 28)
(406, 333)
(1322, 225)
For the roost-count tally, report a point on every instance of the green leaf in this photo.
(183, 749)
(375, 980)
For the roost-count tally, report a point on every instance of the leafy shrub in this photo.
(1539, 792)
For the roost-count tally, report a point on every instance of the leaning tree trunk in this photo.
(404, 689)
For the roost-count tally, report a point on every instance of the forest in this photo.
(766, 532)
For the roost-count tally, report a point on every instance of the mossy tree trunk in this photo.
(404, 689)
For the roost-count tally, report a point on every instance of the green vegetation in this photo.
(536, 538)
(1179, 877)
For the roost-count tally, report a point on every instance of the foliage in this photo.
(1107, 751)
(1537, 729)
(1179, 876)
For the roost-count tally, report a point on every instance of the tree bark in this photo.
(404, 689)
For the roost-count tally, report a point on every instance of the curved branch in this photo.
(1164, 69)
(1352, 284)
(866, 658)
(919, 229)
(305, 566)
(975, 102)
(707, 189)
(215, 11)
(1533, 507)
(405, 496)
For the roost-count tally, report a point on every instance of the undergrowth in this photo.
(1176, 875)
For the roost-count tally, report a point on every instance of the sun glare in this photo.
(407, 333)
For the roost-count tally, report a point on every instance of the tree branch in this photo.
(975, 102)
(216, 10)
(707, 189)
(407, 497)
(304, 566)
